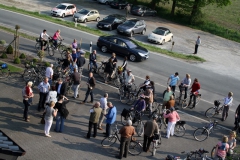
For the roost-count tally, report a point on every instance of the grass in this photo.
(12, 68)
(92, 31)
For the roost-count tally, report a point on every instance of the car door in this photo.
(148, 11)
(136, 27)
(121, 47)
(91, 15)
(168, 35)
(113, 44)
(68, 10)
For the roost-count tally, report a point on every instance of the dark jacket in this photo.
(80, 61)
(91, 82)
(92, 57)
(114, 60)
(109, 68)
(59, 106)
(63, 88)
(66, 63)
(76, 78)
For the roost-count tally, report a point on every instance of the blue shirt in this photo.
(174, 80)
(111, 116)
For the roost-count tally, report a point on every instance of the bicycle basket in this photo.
(125, 113)
(216, 103)
(4, 66)
(37, 40)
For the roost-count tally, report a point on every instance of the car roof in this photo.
(115, 15)
(67, 4)
(134, 20)
(125, 39)
(162, 28)
(139, 5)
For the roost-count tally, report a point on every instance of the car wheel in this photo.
(143, 31)
(120, 7)
(163, 41)
(63, 15)
(104, 49)
(131, 34)
(132, 57)
(97, 19)
(142, 14)
(171, 39)
(85, 20)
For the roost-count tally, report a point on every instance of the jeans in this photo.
(91, 65)
(47, 126)
(89, 91)
(42, 100)
(124, 146)
(75, 89)
(26, 108)
(146, 142)
(90, 129)
(50, 81)
(59, 123)
(194, 99)
(108, 129)
(80, 69)
(170, 128)
(55, 42)
(196, 49)
(225, 112)
(102, 117)
(173, 88)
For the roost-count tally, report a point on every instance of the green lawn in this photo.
(11, 67)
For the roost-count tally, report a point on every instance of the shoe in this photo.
(100, 128)
(27, 117)
(78, 96)
(104, 133)
(82, 102)
(55, 130)
(167, 137)
(27, 120)
(87, 137)
(48, 135)
(118, 157)
(74, 97)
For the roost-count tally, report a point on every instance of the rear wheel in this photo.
(27, 75)
(63, 15)
(85, 20)
(104, 49)
(109, 141)
(185, 103)
(131, 34)
(101, 71)
(179, 130)
(143, 32)
(97, 19)
(213, 152)
(201, 134)
(210, 112)
(124, 98)
(38, 46)
(132, 57)
(135, 148)
(163, 41)
(140, 128)
(51, 51)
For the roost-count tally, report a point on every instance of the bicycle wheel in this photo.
(185, 103)
(210, 112)
(213, 152)
(198, 99)
(27, 75)
(140, 128)
(116, 82)
(63, 54)
(61, 48)
(38, 46)
(4, 73)
(135, 148)
(201, 134)
(109, 141)
(132, 99)
(51, 51)
(154, 149)
(124, 98)
(100, 71)
(179, 130)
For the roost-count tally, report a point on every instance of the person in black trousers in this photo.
(43, 88)
(61, 87)
(91, 84)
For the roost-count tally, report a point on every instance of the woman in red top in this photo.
(194, 92)
(55, 38)
(29, 91)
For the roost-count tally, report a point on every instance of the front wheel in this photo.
(38, 46)
(109, 141)
(104, 49)
(51, 51)
(63, 54)
(201, 134)
(132, 57)
(210, 112)
(179, 130)
(185, 103)
(213, 152)
(135, 148)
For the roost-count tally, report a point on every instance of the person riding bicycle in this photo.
(221, 149)
(93, 59)
(43, 38)
(140, 105)
(185, 84)
(237, 118)
(227, 103)
(173, 81)
(144, 84)
(56, 37)
(129, 79)
(194, 92)
(66, 61)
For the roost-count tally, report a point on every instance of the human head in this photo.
(198, 36)
(168, 89)
(44, 31)
(129, 71)
(52, 104)
(129, 122)
(29, 84)
(176, 74)
(74, 40)
(110, 60)
(109, 104)
(60, 97)
(51, 65)
(125, 58)
(224, 139)
(73, 50)
(113, 55)
(105, 95)
(233, 134)
(230, 94)
(45, 79)
(58, 31)
(94, 52)
(97, 104)
(142, 96)
(195, 80)
(172, 109)
(90, 74)
(147, 77)
(60, 81)
(187, 75)
(53, 88)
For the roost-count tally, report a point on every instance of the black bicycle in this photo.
(216, 110)
(187, 103)
(135, 147)
(49, 46)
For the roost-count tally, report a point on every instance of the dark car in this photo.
(111, 22)
(131, 27)
(122, 46)
(120, 4)
(141, 10)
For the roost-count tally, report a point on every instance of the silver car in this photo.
(85, 15)
(131, 27)
(105, 1)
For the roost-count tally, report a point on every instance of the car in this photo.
(122, 46)
(105, 1)
(160, 35)
(131, 27)
(120, 4)
(111, 22)
(85, 15)
(141, 10)
(64, 9)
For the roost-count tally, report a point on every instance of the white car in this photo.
(105, 1)
(160, 35)
(64, 9)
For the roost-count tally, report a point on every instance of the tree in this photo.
(173, 7)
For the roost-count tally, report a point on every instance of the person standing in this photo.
(111, 117)
(50, 113)
(198, 42)
(43, 88)
(95, 113)
(74, 55)
(52, 95)
(93, 59)
(126, 134)
(227, 103)
(109, 68)
(76, 82)
(61, 87)
(166, 96)
(232, 143)
(27, 94)
(194, 92)
(49, 73)
(148, 94)
(128, 9)
(173, 81)
(103, 105)
(237, 118)
(186, 82)
(150, 128)
(60, 105)
(74, 44)
(114, 62)
(80, 63)
(91, 83)
(221, 149)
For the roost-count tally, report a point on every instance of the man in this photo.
(198, 42)
(194, 92)
(76, 82)
(80, 63)
(93, 59)
(128, 9)
(227, 103)
(150, 128)
(174, 80)
(148, 94)
(95, 113)
(144, 84)
(126, 133)
(186, 82)
(237, 117)
(43, 39)
(166, 96)
(129, 79)
(80, 52)
(74, 55)
(111, 118)
(43, 88)
(103, 104)
(61, 87)
(91, 84)
(49, 73)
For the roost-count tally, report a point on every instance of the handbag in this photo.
(43, 120)
(65, 112)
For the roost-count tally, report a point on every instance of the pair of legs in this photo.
(43, 43)
(124, 147)
(108, 129)
(93, 64)
(59, 123)
(75, 89)
(225, 112)
(170, 129)
(185, 89)
(90, 125)
(26, 108)
(196, 49)
(47, 126)
(193, 96)
(146, 142)
(89, 91)
(102, 117)
(42, 100)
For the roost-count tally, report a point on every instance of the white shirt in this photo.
(44, 87)
(147, 82)
(186, 81)
(129, 78)
(103, 103)
(44, 35)
(49, 72)
(228, 101)
(52, 96)
(198, 41)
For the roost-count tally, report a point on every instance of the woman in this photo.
(56, 37)
(222, 149)
(29, 91)
(170, 103)
(52, 95)
(231, 142)
(74, 44)
(114, 61)
(27, 99)
(108, 69)
(62, 101)
(173, 117)
(149, 98)
(50, 113)
(226, 105)
(152, 84)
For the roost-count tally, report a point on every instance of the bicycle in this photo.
(135, 147)
(233, 156)
(4, 71)
(49, 46)
(181, 93)
(216, 110)
(115, 79)
(201, 134)
(127, 96)
(100, 69)
(186, 103)
(155, 142)
(94, 69)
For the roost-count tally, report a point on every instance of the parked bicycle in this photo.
(100, 69)
(4, 71)
(128, 96)
(135, 147)
(201, 134)
(216, 110)
(186, 103)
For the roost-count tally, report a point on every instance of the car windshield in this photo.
(136, 7)
(159, 31)
(129, 23)
(83, 11)
(109, 18)
(131, 44)
(60, 6)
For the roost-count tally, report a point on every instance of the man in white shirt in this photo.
(49, 73)
(103, 105)
(198, 42)
(43, 88)
(43, 39)
(227, 103)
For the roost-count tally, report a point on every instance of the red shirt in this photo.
(195, 86)
(28, 91)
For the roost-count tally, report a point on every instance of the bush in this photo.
(4, 55)
(47, 64)
(35, 60)
(41, 54)
(22, 56)
(10, 49)
(17, 60)
(2, 42)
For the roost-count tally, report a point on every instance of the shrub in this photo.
(17, 60)
(10, 49)
(2, 42)
(41, 54)
(47, 64)
(22, 56)
(35, 60)
(4, 55)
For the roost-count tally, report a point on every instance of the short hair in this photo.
(105, 95)
(230, 93)
(60, 97)
(51, 65)
(225, 139)
(176, 73)
(60, 80)
(129, 122)
(45, 78)
(52, 103)
(30, 83)
(109, 103)
(44, 30)
(196, 80)
(147, 76)
(188, 75)
(58, 30)
(97, 104)
(113, 54)
(53, 88)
